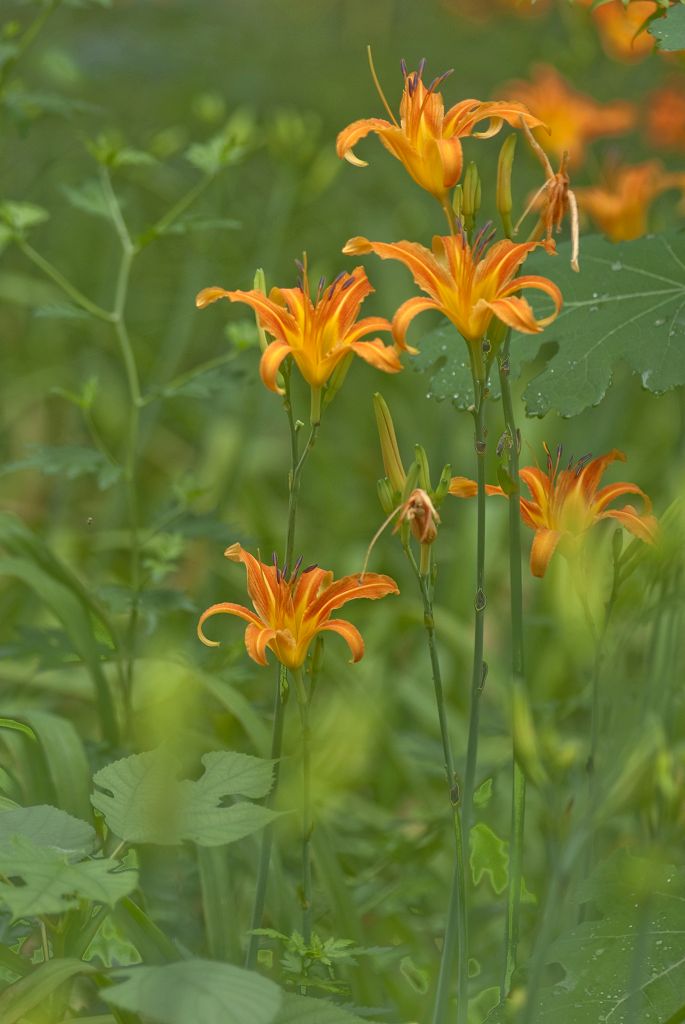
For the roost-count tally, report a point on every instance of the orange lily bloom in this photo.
(318, 335)
(564, 504)
(292, 608)
(573, 118)
(621, 29)
(426, 139)
(666, 117)
(467, 284)
(620, 206)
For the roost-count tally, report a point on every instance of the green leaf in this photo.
(482, 1004)
(626, 304)
(443, 355)
(20, 216)
(11, 723)
(68, 461)
(641, 901)
(61, 311)
(88, 197)
(483, 794)
(303, 1010)
(64, 761)
(669, 31)
(50, 829)
(196, 990)
(18, 999)
(53, 885)
(220, 151)
(144, 802)
(489, 857)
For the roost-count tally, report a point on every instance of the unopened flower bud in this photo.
(392, 461)
(259, 285)
(443, 488)
(471, 197)
(458, 200)
(504, 169)
(424, 477)
(386, 496)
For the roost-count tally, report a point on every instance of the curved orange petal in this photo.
(452, 157)
(595, 470)
(307, 588)
(350, 136)
(227, 608)
(541, 284)
(273, 317)
(544, 546)
(611, 491)
(514, 312)
(269, 364)
(538, 484)
(350, 635)
(209, 295)
(423, 265)
(349, 588)
(645, 527)
(383, 357)
(367, 326)
(464, 116)
(256, 639)
(262, 584)
(404, 316)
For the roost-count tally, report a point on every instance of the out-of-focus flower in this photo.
(317, 334)
(291, 609)
(469, 284)
(484, 10)
(426, 139)
(621, 29)
(666, 118)
(564, 505)
(573, 118)
(620, 205)
(421, 514)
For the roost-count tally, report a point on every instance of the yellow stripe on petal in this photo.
(383, 357)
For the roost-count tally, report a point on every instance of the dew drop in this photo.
(617, 265)
(659, 323)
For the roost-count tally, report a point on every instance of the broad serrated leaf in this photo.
(196, 990)
(69, 461)
(144, 802)
(641, 901)
(18, 999)
(303, 1010)
(51, 884)
(49, 828)
(669, 30)
(444, 357)
(627, 304)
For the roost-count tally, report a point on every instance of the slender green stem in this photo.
(27, 40)
(479, 665)
(303, 703)
(179, 208)
(62, 282)
(518, 794)
(280, 701)
(297, 462)
(456, 929)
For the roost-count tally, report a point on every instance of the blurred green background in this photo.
(279, 80)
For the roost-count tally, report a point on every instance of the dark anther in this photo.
(309, 568)
(274, 559)
(347, 284)
(582, 463)
(403, 66)
(334, 283)
(480, 601)
(296, 568)
(300, 266)
(286, 573)
(502, 443)
(483, 677)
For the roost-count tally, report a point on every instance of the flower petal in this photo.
(383, 357)
(262, 584)
(426, 270)
(462, 487)
(611, 491)
(541, 284)
(227, 608)
(514, 312)
(544, 546)
(404, 316)
(269, 364)
(349, 633)
(595, 470)
(646, 527)
(257, 636)
(348, 588)
(209, 295)
(350, 136)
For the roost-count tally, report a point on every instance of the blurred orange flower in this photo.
(469, 284)
(483, 10)
(666, 117)
(426, 139)
(573, 118)
(564, 505)
(318, 335)
(620, 205)
(621, 29)
(291, 609)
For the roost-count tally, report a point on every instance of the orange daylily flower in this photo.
(621, 29)
(573, 118)
(469, 284)
(564, 504)
(620, 206)
(292, 608)
(666, 117)
(426, 139)
(317, 334)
